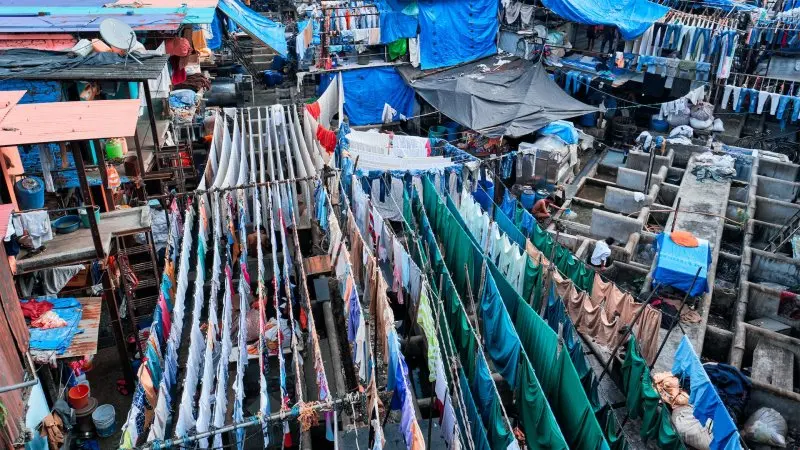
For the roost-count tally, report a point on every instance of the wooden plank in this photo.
(11, 369)
(85, 343)
(11, 308)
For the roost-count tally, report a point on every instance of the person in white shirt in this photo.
(601, 256)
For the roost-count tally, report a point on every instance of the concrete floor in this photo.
(103, 382)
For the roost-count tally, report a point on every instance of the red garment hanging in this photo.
(313, 109)
(327, 138)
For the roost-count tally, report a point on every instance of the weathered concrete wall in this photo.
(635, 179)
(609, 224)
(782, 171)
(624, 201)
(777, 189)
(735, 210)
(739, 193)
(682, 153)
(717, 343)
(774, 211)
(774, 268)
(641, 161)
(765, 302)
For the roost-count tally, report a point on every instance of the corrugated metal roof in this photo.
(66, 15)
(69, 121)
(150, 69)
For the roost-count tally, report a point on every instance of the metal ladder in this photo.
(784, 234)
(138, 307)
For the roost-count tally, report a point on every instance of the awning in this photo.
(496, 96)
(258, 27)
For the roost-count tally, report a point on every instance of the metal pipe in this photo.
(677, 319)
(279, 416)
(24, 384)
(87, 198)
(151, 114)
(639, 314)
(336, 354)
(675, 216)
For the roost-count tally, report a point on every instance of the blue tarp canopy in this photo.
(456, 31)
(257, 26)
(632, 17)
(677, 265)
(367, 90)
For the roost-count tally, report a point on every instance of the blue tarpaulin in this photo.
(677, 265)
(216, 34)
(398, 19)
(563, 129)
(257, 26)
(704, 398)
(456, 31)
(367, 90)
(632, 17)
(58, 339)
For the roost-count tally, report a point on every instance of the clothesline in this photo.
(476, 335)
(280, 416)
(472, 330)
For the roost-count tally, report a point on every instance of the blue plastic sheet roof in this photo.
(456, 31)
(367, 90)
(257, 26)
(677, 265)
(632, 17)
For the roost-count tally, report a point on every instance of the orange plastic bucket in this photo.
(78, 396)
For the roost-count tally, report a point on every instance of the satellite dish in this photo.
(119, 35)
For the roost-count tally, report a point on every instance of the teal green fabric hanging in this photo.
(502, 342)
(478, 432)
(642, 400)
(543, 432)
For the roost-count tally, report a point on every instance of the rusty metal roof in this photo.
(85, 343)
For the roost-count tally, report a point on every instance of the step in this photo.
(773, 365)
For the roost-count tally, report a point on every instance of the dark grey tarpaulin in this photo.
(497, 96)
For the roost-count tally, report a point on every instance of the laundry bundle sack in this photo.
(691, 431)
(766, 426)
(702, 116)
